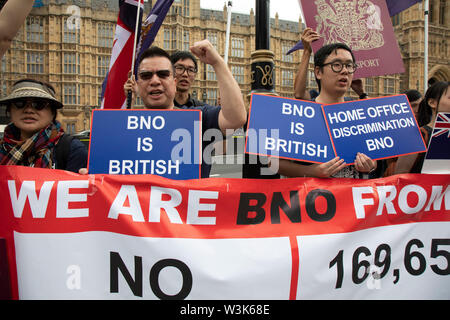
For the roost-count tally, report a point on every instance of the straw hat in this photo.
(31, 89)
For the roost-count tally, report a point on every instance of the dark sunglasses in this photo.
(35, 104)
(147, 75)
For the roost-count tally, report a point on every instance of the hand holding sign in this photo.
(327, 169)
(287, 128)
(380, 128)
(161, 142)
(364, 164)
(358, 132)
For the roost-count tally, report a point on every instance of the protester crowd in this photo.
(35, 138)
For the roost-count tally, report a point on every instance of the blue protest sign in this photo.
(161, 142)
(287, 128)
(380, 128)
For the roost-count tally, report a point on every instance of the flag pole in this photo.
(227, 38)
(425, 83)
(138, 23)
(130, 94)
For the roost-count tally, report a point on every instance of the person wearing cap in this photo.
(34, 137)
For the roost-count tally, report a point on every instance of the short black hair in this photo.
(183, 55)
(154, 51)
(322, 54)
(413, 95)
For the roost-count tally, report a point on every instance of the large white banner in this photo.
(146, 237)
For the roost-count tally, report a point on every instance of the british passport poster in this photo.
(364, 25)
(437, 158)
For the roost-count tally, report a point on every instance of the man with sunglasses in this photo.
(185, 70)
(334, 66)
(156, 85)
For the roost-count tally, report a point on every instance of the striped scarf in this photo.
(33, 152)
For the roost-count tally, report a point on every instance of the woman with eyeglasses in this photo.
(34, 137)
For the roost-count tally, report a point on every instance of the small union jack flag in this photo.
(437, 159)
(439, 147)
(442, 125)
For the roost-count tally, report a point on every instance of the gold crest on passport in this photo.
(356, 23)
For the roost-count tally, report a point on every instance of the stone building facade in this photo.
(75, 60)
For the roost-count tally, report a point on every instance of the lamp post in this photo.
(426, 22)
(263, 81)
(262, 67)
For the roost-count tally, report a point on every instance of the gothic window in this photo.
(287, 78)
(35, 62)
(285, 47)
(35, 29)
(238, 73)
(105, 35)
(237, 47)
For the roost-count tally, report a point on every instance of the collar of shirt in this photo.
(190, 103)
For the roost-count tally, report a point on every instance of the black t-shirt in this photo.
(191, 103)
(210, 120)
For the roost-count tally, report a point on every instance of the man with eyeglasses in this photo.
(156, 85)
(185, 65)
(300, 92)
(334, 66)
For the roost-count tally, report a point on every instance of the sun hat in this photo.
(29, 88)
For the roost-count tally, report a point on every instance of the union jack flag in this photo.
(442, 125)
(438, 153)
(113, 96)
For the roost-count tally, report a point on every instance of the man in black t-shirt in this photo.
(185, 65)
